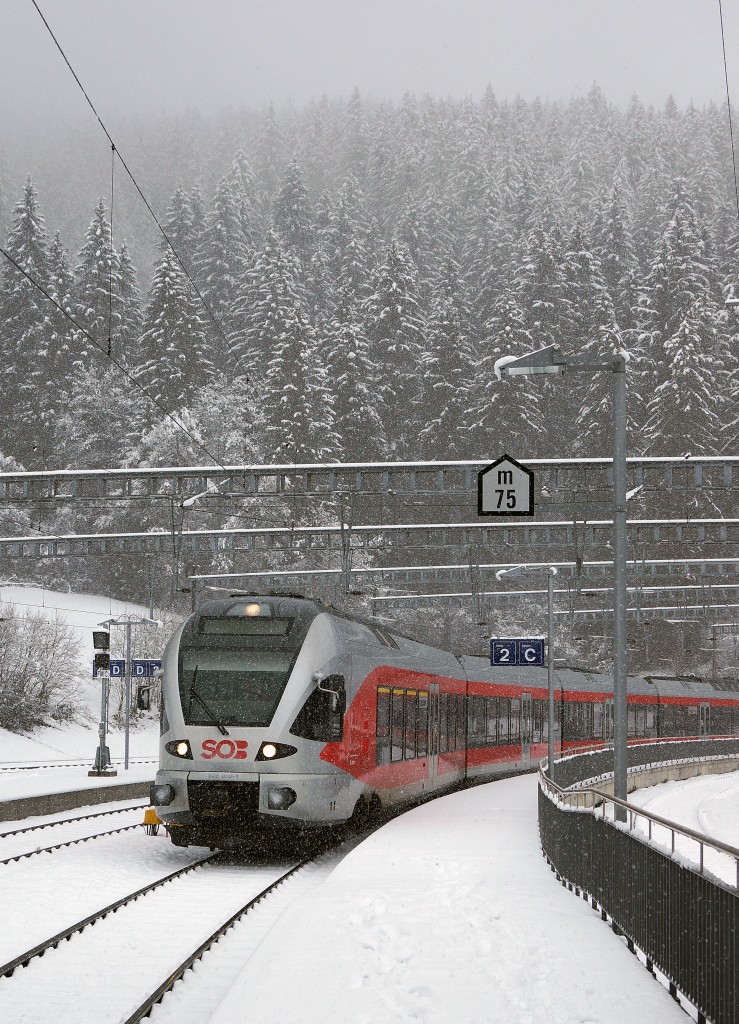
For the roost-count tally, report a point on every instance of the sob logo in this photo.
(225, 749)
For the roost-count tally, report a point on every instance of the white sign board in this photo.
(505, 488)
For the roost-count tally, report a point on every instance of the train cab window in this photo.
(234, 687)
(383, 725)
(422, 734)
(411, 725)
(397, 720)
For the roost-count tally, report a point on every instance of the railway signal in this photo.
(101, 669)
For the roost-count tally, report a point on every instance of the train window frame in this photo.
(422, 733)
(397, 699)
(383, 732)
(410, 725)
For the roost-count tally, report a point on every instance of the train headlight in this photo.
(279, 798)
(273, 751)
(180, 748)
(161, 794)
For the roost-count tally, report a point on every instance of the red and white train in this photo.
(282, 712)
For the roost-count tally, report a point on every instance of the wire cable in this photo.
(170, 416)
(145, 201)
(728, 105)
(110, 257)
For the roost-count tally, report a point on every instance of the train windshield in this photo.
(232, 687)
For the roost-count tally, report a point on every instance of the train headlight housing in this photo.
(161, 794)
(274, 751)
(179, 748)
(279, 798)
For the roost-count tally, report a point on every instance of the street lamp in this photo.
(551, 571)
(551, 360)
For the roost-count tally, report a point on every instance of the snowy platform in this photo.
(448, 914)
(47, 790)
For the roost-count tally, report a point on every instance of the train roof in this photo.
(580, 680)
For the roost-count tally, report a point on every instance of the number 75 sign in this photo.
(505, 488)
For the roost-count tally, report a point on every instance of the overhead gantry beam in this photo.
(577, 479)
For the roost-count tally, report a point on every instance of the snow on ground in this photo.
(706, 804)
(449, 914)
(42, 895)
(42, 781)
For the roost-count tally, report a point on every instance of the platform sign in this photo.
(516, 651)
(144, 668)
(117, 668)
(505, 488)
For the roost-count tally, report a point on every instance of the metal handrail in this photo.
(565, 796)
(667, 763)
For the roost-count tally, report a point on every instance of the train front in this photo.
(252, 690)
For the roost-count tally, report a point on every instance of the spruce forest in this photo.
(346, 275)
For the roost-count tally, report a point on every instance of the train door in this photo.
(608, 726)
(527, 728)
(704, 719)
(433, 747)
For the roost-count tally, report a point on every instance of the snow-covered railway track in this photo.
(24, 959)
(136, 948)
(182, 945)
(19, 843)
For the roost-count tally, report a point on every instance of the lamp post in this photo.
(551, 571)
(552, 361)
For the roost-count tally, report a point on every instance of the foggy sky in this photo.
(141, 56)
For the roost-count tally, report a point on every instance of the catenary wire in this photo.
(123, 370)
(728, 104)
(145, 201)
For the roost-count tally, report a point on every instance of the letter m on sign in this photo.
(505, 488)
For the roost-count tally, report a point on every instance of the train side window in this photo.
(515, 728)
(443, 735)
(478, 725)
(451, 725)
(491, 704)
(411, 725)
(383, 725)
(504, 720)
(459, 704)
(537, 708)
(641, 720)
(631, 724)
(598, 721)
(397, 717)
(423, 724)
(650, 728)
